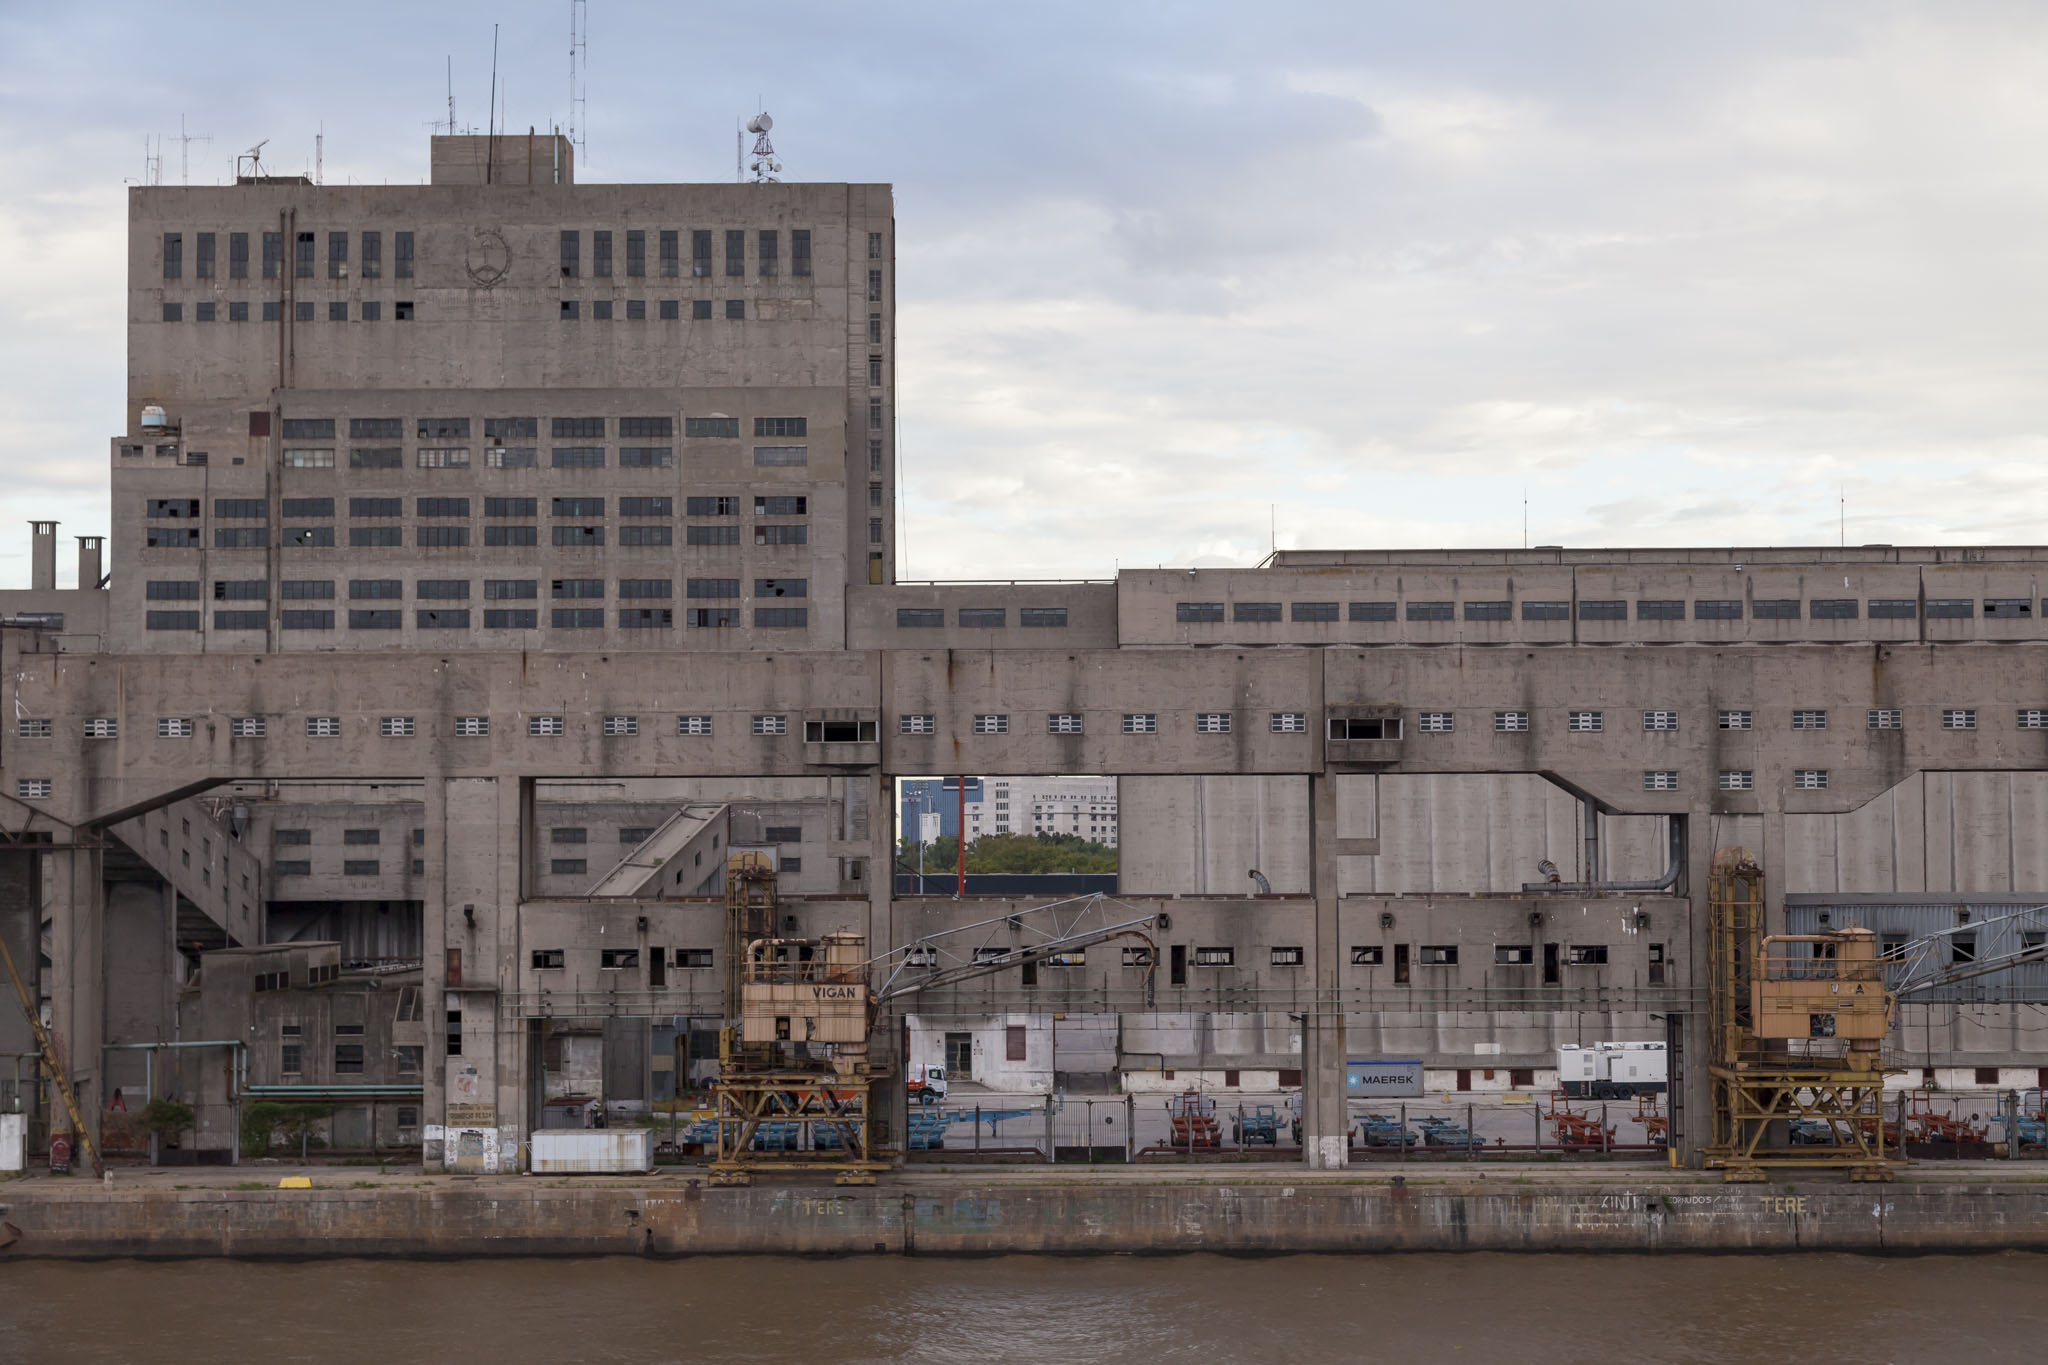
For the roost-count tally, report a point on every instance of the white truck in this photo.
(1613, 1070)
(927, 1084)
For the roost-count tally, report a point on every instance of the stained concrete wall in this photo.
(966, 1217)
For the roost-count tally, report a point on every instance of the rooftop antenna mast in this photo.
(254, 158)
(185, 141)
(491, 121)
(579, 63)
(320, 156)
(766, 168)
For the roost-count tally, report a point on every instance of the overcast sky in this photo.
(1175, 274)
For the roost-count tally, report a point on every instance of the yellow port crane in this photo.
(51, 1062)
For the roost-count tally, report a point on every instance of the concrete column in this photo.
(477, 832)
(1325, 1121)
(77, 979)
(20, 925)
(886, 1045)
(1695, 1126)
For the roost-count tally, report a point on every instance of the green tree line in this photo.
(1012, 853)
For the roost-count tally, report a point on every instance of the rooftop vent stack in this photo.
(90, 553)
(43, 555)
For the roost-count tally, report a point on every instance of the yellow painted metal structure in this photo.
(52, 1062)
(1798, 1027)
(796, 1088)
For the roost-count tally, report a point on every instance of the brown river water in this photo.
(1409, 1310)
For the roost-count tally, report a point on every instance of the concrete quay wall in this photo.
(969, 1217)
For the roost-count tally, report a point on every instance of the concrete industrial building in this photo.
(1396, 741)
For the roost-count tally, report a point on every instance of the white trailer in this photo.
(1613, 1070)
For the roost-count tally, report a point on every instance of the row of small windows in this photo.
(1762, 609)
(666, 310)
(574, 508)
(668, 244)
(980, 618)
(321, 589)
(368, 310)
(206, 246)
(1875, 718)
(448, 537)
(513, 428)
(1134, 723)
(407, 727)
(503, 457)
(493, 618)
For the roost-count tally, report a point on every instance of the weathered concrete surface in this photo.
(976, 1216)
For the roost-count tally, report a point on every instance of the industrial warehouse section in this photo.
(495, 742)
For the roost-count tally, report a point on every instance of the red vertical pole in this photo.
(960, 842)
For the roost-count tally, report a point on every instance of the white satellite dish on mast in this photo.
(765, 166)
(760, 123)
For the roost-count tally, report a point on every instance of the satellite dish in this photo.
(760, 123)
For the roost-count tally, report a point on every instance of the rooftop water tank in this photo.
(154, 417)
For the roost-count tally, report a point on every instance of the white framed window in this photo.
(1736, 720)
(991, 725)
(1147, 723)
(1737, 780)
(472, 727)
(174, 727)
(1436, 722)
(1886, 720)
(395, 727)
(1284, 957)
(35, 727)
(246, 727)
(323, 727)
(917, 725)
(771, 725)
(1809, 720)
(1660, 720)
(693, 725)
(544, 727)
(1660, 780)
(102, 727)
(1585, 722)
(1959, 720)
(1063, 723)
(2031, 720)
(1290, 722)
(622, 725)
(1810, 779)
(1212, 722)
(1215, 957)
(1510, 722)
(35, 788)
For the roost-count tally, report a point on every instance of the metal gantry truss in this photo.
(1014, 940)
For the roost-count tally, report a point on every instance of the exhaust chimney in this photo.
(90, 550)
(43, 555)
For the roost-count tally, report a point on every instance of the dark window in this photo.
(240, 507)
(202, 265)
(601, 254)
(1775, 609)
(241, 590)
(735, 252)
(1950, 608)
(337, 255)
(441, 588)
(670, 310)
(171, 620)
(376, 507)
(499, 589)
(1198, 611)
(1315, 611)
(1660, 610)
(160, 590)
(1372, 611)
(874, 286)
(171, 537)
(579, 507)
(316, 536)
(1893, 609)
(2008, 608)
(778, 534)
(601, 310)
(578, 618)
(711, 587)
(578, 587)
(1040, 617)
(442, 618)
(174, 255)
(241, 537)
(238, 257)
(361, 588)
(700, 252)
(1255, 611)
(273, 255)
(768, 256)
(701, 616)
(716, 428)
(240, 620)
(647, 535)
(362, 536)
(403, 310)
(1546, 611)
(442, 507)
(442, 535)
(1489, 611)
(238, 312)
(304, 311)
(579, 535)
(781, 505)
(931, 618)
(646, 587)
(1603, 611)
(307, 590)
(174, 312)
(736, 309)
(376, 620)
(646, 618)
(402, 250)
(647, 507)
(202, 312)
(305, 619)
(373, 255)
(377, 457)
(1707, 609)
(695, 535)
(781, 587)
(572, 254)
(511, 619)
(302, 256)
(511, 535)
(670, 251)
(1832, 609)
(799, 251)
(700, 310)
(1430, 611)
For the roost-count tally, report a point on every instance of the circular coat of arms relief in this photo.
(489, 257)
